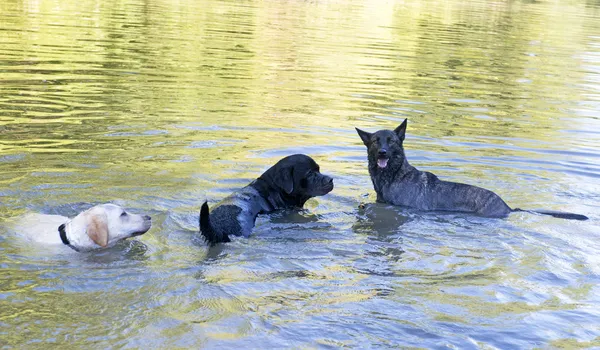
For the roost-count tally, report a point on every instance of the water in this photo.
(157, 105)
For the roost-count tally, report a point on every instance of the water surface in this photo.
(157, 105)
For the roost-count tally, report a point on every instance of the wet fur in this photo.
(400, 183)
(288, 184)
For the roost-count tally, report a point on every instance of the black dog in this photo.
(399, 183)
(287, 184)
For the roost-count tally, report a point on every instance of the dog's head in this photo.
(384, 145)
(105, 225)
(299, 178)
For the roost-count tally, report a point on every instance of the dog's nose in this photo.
(146, 217)
(382, 152)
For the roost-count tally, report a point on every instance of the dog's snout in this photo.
(327, 183)
(382, 152)
(147, 218)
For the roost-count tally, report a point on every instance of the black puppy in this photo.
(287, 184)
(399, 183)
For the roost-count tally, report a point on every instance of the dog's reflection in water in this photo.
(381, 219)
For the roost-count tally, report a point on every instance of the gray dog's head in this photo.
(298, 178)
(383, 146)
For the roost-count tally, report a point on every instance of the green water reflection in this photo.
(161, 104)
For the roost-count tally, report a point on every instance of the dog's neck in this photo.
(63, 232)
(275, 198)
(75, 235)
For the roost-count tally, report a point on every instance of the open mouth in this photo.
(382, 162)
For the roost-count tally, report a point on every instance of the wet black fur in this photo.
(400, 183)
(287, 184)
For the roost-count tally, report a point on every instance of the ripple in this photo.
(159, 106)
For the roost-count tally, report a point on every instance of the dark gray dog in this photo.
(287, 184)
(399, 183)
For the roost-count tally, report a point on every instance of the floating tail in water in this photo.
(206, 229)
(556, 214)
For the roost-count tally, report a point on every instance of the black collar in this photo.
(63, 237)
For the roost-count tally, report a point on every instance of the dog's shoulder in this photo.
(429, 177)
(417, 177)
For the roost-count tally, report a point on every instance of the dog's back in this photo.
(39, 228)
(425, 191)
(235, 215)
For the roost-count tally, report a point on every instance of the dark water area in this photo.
(158, 105)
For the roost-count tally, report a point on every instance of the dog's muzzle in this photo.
(382, 158)
(147, 225)
(324, 186)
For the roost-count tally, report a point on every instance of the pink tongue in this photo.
(382, 163)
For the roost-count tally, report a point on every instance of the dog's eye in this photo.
(377, 139)
(124, 214)
(389, 139)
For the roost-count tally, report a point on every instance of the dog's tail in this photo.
(556, 214)
(206, 229)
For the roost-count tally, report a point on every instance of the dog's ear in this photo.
(284, 179)
(365, 136)
(401, 130)
(97, 229)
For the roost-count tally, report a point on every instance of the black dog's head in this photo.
(297, 177)
(384, 145)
